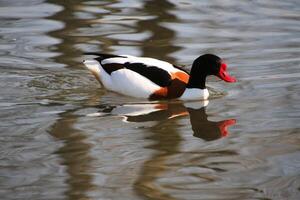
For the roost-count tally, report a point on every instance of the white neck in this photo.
(194, 94)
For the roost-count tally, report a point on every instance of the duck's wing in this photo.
(141, 76)
(159, 72)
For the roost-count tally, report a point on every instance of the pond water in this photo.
(64, 137)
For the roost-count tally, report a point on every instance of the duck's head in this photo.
(206, 65)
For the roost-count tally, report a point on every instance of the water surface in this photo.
(64, 137)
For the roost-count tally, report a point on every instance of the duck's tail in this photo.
(94, 67)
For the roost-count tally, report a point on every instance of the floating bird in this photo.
(154, 79)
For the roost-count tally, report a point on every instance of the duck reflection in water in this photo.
(201, 126)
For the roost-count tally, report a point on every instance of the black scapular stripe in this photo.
(155, 74)
(111, 67)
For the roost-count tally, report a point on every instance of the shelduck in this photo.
(154, 79)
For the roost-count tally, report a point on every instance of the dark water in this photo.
(63, 137)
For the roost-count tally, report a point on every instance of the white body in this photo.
(123, 81)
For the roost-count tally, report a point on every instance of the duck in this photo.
(154, 79)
